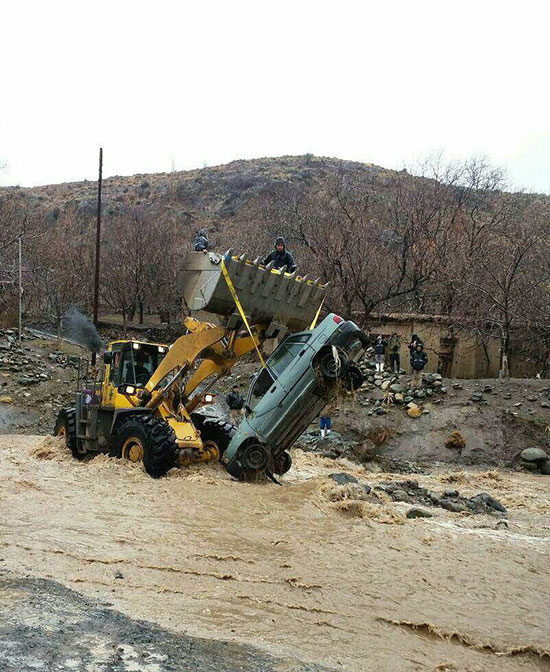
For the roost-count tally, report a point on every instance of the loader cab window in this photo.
(116, 369)
(138, 362)
(261, 385)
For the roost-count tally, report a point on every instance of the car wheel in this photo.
(354, 377)
(282, 463)
(254, 457)
(333, 363)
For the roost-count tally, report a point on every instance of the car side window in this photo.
(284, 355)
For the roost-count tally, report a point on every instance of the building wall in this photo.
(467, 357)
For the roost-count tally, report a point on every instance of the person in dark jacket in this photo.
(380, 353)
(415, 339)
(280, 256)
(200, 243)
(235, 402)
(418, 362)
(395, 346)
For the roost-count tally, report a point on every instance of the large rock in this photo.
(414, 412)
(486, 499)
(342, 478)
(533, 455)
(545, 468)
(418, 513)
(397, 388)
(385, 384)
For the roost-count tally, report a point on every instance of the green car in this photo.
(302, 375)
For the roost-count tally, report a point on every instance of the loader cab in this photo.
(134, 363)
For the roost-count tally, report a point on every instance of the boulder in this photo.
(486, 499)
(414, 412)
(476, 396)
(385, 384)
(545, 468)
(398, 388)
(399, 495)
(533, 455)
(450, 493)
(418, 513)
(450, 505)
(398, 398)
(429, 378)
(342, 478)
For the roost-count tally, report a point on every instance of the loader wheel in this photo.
(213, 429)
(65, 426)
(354, 378)
(282, 463)
(332, 367)
(150, 439)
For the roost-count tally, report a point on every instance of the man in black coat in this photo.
(200, 244)
(235, 402)
(281, 256)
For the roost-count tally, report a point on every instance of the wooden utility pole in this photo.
(20, 288)
(97, 245)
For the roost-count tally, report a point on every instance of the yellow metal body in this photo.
(218, 348)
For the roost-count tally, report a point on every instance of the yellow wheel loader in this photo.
(141, 402)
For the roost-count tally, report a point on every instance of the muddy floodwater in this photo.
(303, 571)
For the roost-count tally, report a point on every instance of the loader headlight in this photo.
(136, 346)
(209, 398)
(126, 389)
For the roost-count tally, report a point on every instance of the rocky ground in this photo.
(385, 423)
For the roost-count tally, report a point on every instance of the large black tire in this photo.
(156, 438)
(65, 426)
(213, 429)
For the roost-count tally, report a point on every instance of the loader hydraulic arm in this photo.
(222, 356)
(182, 355)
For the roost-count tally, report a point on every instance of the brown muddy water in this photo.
(305, 569)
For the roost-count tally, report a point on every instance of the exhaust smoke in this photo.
(78, 327)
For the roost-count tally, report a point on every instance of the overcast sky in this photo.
(183, 84)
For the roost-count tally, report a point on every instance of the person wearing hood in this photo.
(280, 256)
(200, 243)
(418, 362)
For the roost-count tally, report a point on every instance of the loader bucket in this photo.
(266, 294)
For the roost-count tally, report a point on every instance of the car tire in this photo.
(282, 463)
(354, 377)
(332, 368)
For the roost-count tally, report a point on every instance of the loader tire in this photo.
(153, 438)
(65, 426)
(214, 429)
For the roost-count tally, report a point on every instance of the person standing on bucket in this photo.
(281, 256)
